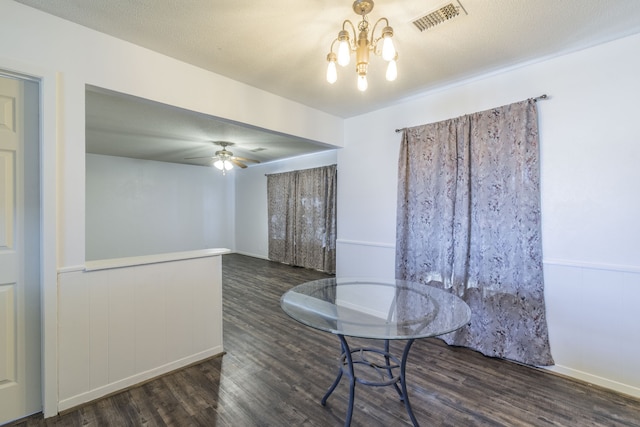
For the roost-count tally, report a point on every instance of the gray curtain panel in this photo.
(302, 217)
(281, 200)
(469, 218)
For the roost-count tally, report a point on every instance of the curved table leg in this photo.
(403, 382)
(352, 381)
(388, 361)
(333, 387)
(343, 343)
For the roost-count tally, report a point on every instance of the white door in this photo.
(20, 377)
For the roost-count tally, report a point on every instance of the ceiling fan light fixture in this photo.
(224, 159)
(223, 164)
(362, 45)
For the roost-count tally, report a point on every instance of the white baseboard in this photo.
(595, 380)
(141, 377)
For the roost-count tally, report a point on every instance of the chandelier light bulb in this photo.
(388, 50)
(219, 164)
(362, 83)
(344, 53)
(332, 73)
(228, 165)
(392, 70)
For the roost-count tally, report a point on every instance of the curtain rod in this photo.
(536, 99)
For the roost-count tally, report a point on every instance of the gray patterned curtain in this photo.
(469, 217)
(302, 217)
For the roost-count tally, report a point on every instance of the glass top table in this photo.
(381, 310)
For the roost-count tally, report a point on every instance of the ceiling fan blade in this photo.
(204, 157)
(244, 159)
(238, 163)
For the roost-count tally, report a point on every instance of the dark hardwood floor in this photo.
(275, 371)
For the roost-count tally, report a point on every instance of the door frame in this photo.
(50, 82)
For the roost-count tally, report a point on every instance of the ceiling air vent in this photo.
(439, 16)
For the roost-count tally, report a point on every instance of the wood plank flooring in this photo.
(276, 371)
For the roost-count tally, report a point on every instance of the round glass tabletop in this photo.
(375, 309)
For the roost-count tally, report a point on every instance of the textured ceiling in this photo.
(280, 46)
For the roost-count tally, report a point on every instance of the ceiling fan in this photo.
(224, 159)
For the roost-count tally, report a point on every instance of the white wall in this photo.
(141, 207)
(590, 152)
(251, 199)
(128, 200)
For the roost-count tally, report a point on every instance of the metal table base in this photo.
(388, 370)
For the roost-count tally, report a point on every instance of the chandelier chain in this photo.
(364, 24)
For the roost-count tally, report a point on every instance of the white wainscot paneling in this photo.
(123, 325)
(593, 324)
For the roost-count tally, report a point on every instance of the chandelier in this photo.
(362, 45)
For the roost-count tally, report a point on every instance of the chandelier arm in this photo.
(332, 43)
(375, 48)
(374, 42)
(353, 31)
